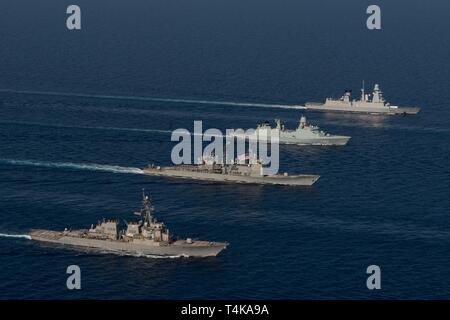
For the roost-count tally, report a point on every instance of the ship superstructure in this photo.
(304, 134)
(368, 103)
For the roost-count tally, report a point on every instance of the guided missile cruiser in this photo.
(144, 237)
(246, 172)
(371, 104)
(305, 134)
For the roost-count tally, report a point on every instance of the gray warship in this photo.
(304, 134)
(236, 173)
(371, 105)
(144, 237)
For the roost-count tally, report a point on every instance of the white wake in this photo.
(20, 236)
(173, 100)
(70, 165)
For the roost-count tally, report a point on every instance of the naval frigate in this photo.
(144, 237)
(371, 105)
(304, 134)
(247, 172)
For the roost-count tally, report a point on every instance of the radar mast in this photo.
(147, 208)
(363, 93)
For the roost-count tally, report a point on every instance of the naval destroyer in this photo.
(236, 173)
(304, 134)
(144, 237)
(372, 105)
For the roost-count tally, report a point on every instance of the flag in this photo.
(243, 157)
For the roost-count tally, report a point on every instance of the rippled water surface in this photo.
(81, 113)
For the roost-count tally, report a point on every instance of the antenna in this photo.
(147, 208)
(363, 96)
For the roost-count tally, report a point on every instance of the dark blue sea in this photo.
(80, 111)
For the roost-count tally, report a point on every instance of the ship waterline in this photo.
(305, 134)
(194, 173)
(196, 248)
(368, 103)
(144, 237)
(355, 108)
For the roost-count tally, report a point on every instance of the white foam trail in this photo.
(118, 97)
(69, 165)
(104, 128)
(20, 236)
(84, 127)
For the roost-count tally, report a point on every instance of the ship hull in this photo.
(297, 180)
(314, 106)
(175, 249)
(309, 141)
(325, 141)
